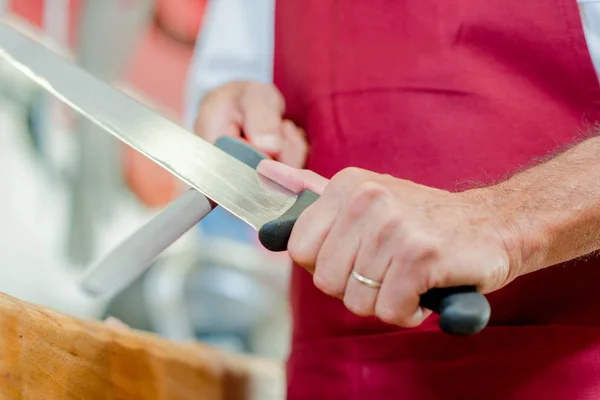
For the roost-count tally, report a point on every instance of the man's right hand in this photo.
(255, 110)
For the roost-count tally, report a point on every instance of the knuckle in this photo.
(420, 259)
(294, 250)
(422, 249)
(389, 315)
(347, 175)
(392, 316)
(434, 278)
(220, 94)
(299, 249)
(266, 93)
(306, 175)
(299, 252)
(366, 195)
(409, 322)
(371, 190)
(389, 228)
(394, 220)
(357, 307)
(326, 284)
(212, 101)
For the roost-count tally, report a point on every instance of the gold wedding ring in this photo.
(366, 281)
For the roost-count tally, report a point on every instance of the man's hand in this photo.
(408, 237)
(255, 110)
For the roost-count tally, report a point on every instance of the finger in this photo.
(313, 228)
(218, 116)
(336, 257)
(399, 296)
(352, 232)
(311, 231)
(372, 262)
(293, 179)
(210, 129)
(262, 108)
(295, 147)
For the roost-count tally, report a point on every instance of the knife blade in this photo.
(266, 206)
(219, 176)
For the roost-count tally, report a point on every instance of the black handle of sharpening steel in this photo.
(462, 310)
(241, 150)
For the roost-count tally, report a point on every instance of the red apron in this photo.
(443, 93)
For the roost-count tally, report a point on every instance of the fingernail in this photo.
(270, 143)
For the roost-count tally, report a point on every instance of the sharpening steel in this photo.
(221, 177)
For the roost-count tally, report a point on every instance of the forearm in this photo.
(553, 210)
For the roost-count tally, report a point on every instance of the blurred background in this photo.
(69, 192)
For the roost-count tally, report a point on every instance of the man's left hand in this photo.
(403, 237)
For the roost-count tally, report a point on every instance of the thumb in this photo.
(293, 179)
(262, 108)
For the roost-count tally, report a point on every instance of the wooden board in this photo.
(45, 355)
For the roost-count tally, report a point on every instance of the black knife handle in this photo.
(463, 310)
(275, 235)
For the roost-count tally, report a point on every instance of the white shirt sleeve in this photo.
(590, 16)
(234, 43)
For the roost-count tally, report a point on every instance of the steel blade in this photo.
(220, 177)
